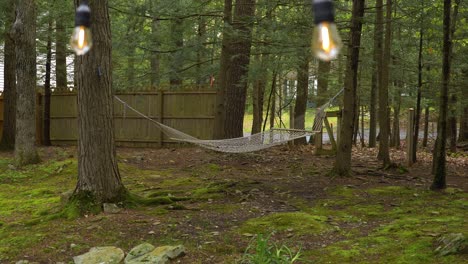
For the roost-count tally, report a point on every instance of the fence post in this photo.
(161, 116)
(409, 137)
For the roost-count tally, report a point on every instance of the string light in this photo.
(81, 39)
(326, 41)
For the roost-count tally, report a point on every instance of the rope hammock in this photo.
(255, 142)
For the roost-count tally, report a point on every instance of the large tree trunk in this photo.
(322, 82)
(47, 88)
(343, 155)
(439, 159)
(225, 64)
(61, 39)
(9, 88)
(302, 95)
(378, 41)
(452, 119)
(395, 142)
(25, 38)
(384, 123)
(98, 174)
(236, 80)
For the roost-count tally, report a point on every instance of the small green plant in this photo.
(262, 251)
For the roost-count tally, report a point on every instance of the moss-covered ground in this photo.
(215, 204)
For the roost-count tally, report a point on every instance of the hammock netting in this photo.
(249, 143)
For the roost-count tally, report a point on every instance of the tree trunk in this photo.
(439, 158)
(396, 118)
(273, 104)
(302, 95)
(98, 174)
(452, 119)
(25, 39)
(271, 101)
(426, 126)
(322, 82)
(378, 41)
(463, 136)
(258, 97)
(356, 121)
(384, 123)
(201, 51)
(155, 78)
(176, 62)
(225, 64)
(9, 75)
(417, 116)
(236, 79)
(61, 39)
(343, 155)
(47, 88)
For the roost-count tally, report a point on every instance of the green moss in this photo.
(296, 222)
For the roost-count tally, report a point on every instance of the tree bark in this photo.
(463, 136)
(258, 95)
(236, 79)
(155, 78)
(322, 82)
(452, 119)
(225, 64)
(301, 96)
(47, 88)
(439, 158)
(61, 39)
(176, 62)
(384, 123)
(201, 51)
(98, 174)
(9, 89)
(25, 39)
(417, 116)
(426, 126)
(378, 42)
(396, 117)
(343, 155)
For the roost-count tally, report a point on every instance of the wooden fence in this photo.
(191, 112)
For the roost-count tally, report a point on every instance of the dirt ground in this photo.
(221, 202)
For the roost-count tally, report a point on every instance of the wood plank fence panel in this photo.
(190, 112)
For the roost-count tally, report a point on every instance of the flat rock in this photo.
(111, 208)
(451, 244)
(101, 255)
(146, 253)
(138, 252)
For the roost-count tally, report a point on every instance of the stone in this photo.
(451, 244)
(111, 208)
(138, 251)
(172, 252)
(146, 253)
(101, 255)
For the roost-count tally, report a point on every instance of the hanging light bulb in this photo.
(81, 40)
(326, 42)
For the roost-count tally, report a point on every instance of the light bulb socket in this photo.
(323, 11)
(83, 15)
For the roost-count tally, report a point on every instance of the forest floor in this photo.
(223, 201)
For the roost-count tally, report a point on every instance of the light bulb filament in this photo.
(325, 39)
(81, 38)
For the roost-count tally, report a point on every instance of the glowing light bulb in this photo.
(81, 39)
(326, 42)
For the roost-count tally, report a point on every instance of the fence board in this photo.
(191, 112)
